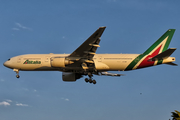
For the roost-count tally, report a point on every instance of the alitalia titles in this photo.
(32, 62)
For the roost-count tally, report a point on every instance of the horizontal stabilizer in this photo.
(111, 74)
(164, 54)
(171, 63)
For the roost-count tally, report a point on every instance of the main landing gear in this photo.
(17, 72)
(90, 79)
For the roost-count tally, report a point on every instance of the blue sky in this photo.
(43, 26)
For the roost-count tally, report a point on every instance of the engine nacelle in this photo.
(70, 77)
(59, 62)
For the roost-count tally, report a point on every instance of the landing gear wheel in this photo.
(90, 74)
(17, 76)
(94, 81)
(90, 81)
(17, 72)
(86, 80)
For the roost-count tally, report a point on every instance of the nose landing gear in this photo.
(17, 72)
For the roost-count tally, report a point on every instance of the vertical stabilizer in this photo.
(161, 45)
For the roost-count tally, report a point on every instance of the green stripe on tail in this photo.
(164, 40)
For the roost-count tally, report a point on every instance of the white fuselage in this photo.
(42, 62)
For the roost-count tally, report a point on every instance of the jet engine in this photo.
(59, 62)
(70, 76)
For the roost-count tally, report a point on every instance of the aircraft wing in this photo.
(88, 49)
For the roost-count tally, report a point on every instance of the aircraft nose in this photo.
(6, 64)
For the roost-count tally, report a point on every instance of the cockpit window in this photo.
(9, 59)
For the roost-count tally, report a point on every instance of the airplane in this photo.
(85, 62)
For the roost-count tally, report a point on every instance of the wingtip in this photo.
(171, 29)
(103, 27)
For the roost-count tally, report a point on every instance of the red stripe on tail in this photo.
(146, 62)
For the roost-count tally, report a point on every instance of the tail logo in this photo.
(146, 61)
(161, 45)
(153, 51)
